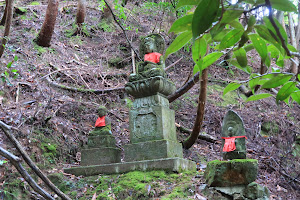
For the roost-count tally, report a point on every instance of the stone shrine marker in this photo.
(153, 142)
(234, 177)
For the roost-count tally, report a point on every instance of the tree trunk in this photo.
(47, 29)
(294, 67)
(81, 11)
(5, 13)
(298, 28)
(8, 18)
(200, 112)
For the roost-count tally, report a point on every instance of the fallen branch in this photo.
(73, 89)
(205, 137)
(8, 19)
(16, 161)
(6, 129)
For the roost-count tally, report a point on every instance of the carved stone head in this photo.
(152, 43)
(102, 111)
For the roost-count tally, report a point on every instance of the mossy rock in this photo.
(231, 173)
(116, 62)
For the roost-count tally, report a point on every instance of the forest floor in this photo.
(54, 123)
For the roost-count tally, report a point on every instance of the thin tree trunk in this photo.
(9, 13)
(81, 12)
(5, 13)
(17, 163)
(200, 112)
(294, 67)
(298, 28)
(47, 29)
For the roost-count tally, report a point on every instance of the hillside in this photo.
(54, 122)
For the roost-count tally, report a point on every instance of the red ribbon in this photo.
(229, 144)
(152, 57)
(100, 122)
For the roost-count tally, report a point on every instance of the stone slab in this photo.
(97, 156)
(152, 150)
(101, 141)
(231, 173)
(169, 164)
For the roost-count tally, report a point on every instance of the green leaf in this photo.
(249, 47)
(204, 16)
(251, 23)
(281, 29)
(296, 96)
(292, 48)
(231, 87)
(258, 97)
(246, 69)
(283, 5)
(9, 64)
(241, 57)
(199, 49)
(230, 15)
(186, 3)
(286, 90)
(219, 37)
(182, 24)
(178, 43)
(276, 81)
(236, 24)
(298, 77)
(259, 45)
(231, 38)
(2, 162)
(265, 33)
(274, 51)
(196, 69)
(210, 59)
(16, 58)
(14, 70)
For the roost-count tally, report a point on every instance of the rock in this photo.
(231, 173)
(256, 191)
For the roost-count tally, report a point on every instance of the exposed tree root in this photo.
(74, 89)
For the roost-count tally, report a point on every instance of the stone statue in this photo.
(233, 137)
(151, 50)
(103, 123)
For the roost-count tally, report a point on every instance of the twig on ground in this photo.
(173, 64)
(16, 161)
(205, 137)
(7, 130)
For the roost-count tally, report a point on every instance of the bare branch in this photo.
(16, 161)
(114, 16)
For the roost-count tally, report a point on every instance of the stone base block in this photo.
(231, 173)
(169, 164)
(152, 150)
(98, 156)
(101, 141)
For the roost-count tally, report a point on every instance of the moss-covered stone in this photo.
(256, 191)
(231, 173)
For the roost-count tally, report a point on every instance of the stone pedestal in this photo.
(100, 149)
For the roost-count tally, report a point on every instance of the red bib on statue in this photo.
(152, 57)
(100, 122)
(229, 144)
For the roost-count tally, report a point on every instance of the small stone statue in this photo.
(103, 123)
(233, 137)
(151, 49)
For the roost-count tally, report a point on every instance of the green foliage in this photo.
(216, 26)
(10, 72)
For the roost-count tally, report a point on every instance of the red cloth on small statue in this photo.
(152, 57)
(229, 144)
(100, 122)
